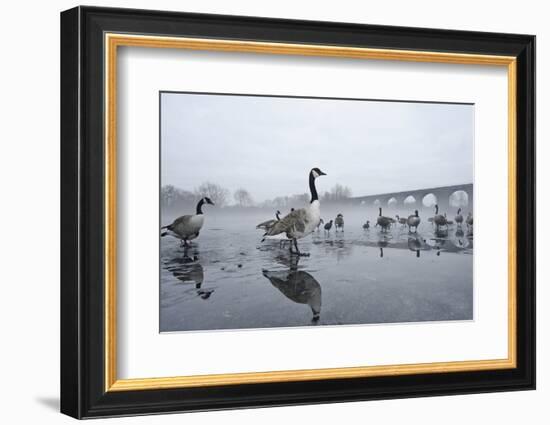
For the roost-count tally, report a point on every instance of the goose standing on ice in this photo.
(470, 221)
(328, 226)
(187, 227)
(267, 224)
(384, 222)
(439, 220)
(366, 226)
(301, 222)
(402, 221)
(413, 221)
(458, 218)
(339, 223)
(321, 221)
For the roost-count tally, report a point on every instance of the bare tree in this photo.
(337, 193)
(215, 192)
(287, 202)
(243, 198)
(173, 197)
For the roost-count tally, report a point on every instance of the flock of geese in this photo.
(440, 221)
(301, 222)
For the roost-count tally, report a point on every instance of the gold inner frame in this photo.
(113, 41)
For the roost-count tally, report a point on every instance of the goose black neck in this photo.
(277, 215)
(312, 189)
(436, 209)
(416, 213)
(199, 206)
(379, 212)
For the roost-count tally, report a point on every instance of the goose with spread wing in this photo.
(303, 221)
(267, 224)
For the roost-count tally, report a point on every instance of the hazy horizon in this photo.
(267, 145)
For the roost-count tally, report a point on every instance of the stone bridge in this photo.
(447, 197)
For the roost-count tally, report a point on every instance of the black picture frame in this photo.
(83, 392)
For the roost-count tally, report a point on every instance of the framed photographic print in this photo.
(261, 212)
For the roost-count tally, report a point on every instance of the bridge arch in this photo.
(429, 200)
(377, 203)
(459, 198)
(392, 202)
(409, 200)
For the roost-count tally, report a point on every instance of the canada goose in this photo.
(413, 221)
(267, 224)
(339, 222)
(402, 221)
(301, 222)
(328, 226)
(298, 286)
(470, 221)
(384, 222)
(458, 218)
(439, 220)
(366, 226)
(321, 221)
(187, 227)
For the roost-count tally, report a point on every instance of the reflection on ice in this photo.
(298, 286)
(368, 275)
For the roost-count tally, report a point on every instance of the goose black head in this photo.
(208, 200)
(316, 172)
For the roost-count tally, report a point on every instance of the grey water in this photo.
(228, 279)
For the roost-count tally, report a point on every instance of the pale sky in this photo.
(268, 145)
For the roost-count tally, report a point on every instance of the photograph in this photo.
(280, 211)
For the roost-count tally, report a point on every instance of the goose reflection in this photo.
(460, 241)
(298, 286)
(439, 240)
(188, 270)
(416, 244)
(383, 241)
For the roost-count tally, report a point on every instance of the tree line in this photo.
(174, 197)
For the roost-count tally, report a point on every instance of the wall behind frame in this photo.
(29, 172)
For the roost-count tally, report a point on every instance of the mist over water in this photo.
(228, 279)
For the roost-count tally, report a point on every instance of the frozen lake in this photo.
(228, 279)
